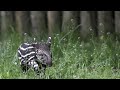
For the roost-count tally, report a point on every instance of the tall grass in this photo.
(72, 59)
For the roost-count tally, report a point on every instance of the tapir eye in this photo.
(36, 50)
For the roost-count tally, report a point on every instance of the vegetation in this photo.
(72, 58)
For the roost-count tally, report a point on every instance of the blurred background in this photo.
(83, 24)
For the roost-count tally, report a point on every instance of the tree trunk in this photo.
(54, 22)
(0, 26)
(38, 20)
(117, 24)
(6, 22)
(23, 24)
(105, 23)
(88, 24)
(117, 21)
(70, 20)
(93, 15)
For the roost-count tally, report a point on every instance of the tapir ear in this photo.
(49, 41)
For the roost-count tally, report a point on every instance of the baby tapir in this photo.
(35, 55)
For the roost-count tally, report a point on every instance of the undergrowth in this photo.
(72, 59)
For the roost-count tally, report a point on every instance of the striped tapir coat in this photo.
(35, 55)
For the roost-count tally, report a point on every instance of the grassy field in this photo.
(72, 59)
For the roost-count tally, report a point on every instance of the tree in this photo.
(7, 22)
(23, 23)
(0, 23)
(54, 22)
(105, 23)
(88, 24)
(117, 21)
(70, 19)
(38, 20)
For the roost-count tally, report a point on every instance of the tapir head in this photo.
(44, 55)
